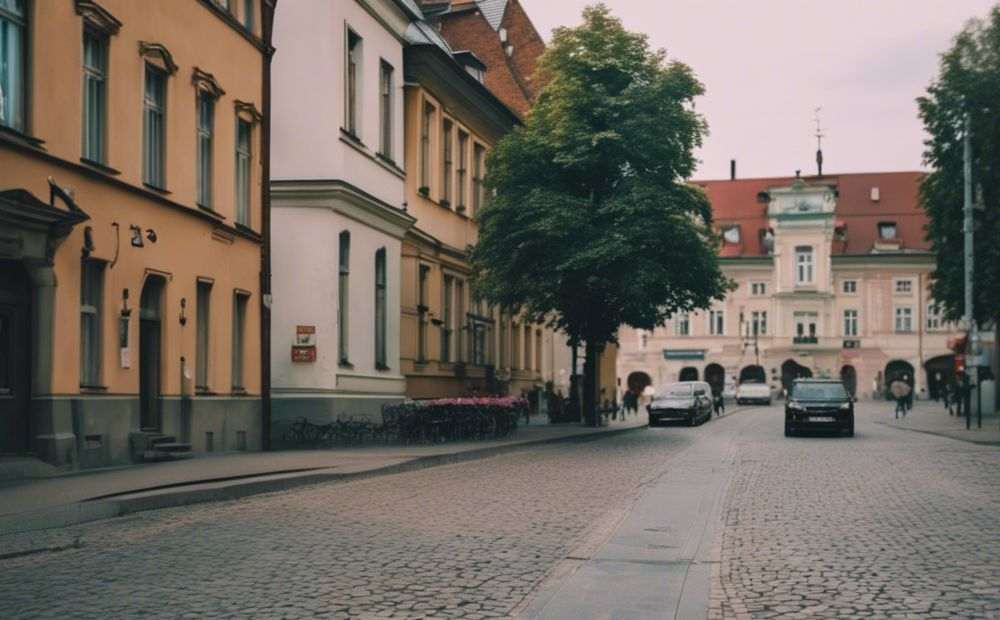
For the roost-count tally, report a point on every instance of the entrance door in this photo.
(15, 357)
(149, 354)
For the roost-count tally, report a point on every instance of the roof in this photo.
(739, 202)
(493, 11)
(421, 33)
(410, 8)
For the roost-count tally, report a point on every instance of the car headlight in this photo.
(794, 404)
(845, 405)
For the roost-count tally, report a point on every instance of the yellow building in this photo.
(451, 343)
(132, 171)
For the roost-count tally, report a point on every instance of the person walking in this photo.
(719, 404)
(900, 391)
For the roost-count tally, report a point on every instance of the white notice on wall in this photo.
(126, 357)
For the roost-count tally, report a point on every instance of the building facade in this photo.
(131, 200)
(832, 277)
(338, 208)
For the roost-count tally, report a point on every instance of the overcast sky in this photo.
(767, 64)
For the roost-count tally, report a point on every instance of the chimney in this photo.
(732, 169)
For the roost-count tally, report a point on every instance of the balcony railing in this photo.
(805, 340)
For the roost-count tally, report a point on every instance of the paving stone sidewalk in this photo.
(66, 499)
(931, 417)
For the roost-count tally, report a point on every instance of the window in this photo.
(206, 116)
(381, 311)
(683, 326)
(478, 163)
(503, 361)
(803, 265)
(758, 288)
(716, 322)
(904, 287)
(385, 110)
(153, 130)
(91, 291)
(459, 320)
(425, 148)
(13, 51)
(887, 230)
(95, 75)
(758, 323)
(904, 319)
(353, 73)
(422, 313)
(446, 147)
(447, 316)
(527, 346)
(935, 318)
(239, 338)
(343, 297)
(515, 346)
(463, 150)
(850, 287)
(805, 327)
(480, 327)
(248, 15)
(244, 157)
(850, 323)
(643, 339)
(203, 310)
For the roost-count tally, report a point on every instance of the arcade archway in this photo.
(715, 376)
(850, 378)
(753, 374)
(638, 381)
(792, 370)
(940, 372)
(688, 373)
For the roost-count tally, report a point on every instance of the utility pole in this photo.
(972, 340)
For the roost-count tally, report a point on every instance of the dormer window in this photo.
(887, 230)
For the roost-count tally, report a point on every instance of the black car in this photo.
(818, 405)
(687, 401)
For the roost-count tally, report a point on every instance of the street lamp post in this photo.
(967, 228)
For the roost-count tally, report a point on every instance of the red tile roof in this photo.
(736, 203)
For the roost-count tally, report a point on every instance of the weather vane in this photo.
(819, 142)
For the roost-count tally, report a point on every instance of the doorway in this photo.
(150, 353)
(688, 373)
(15, 357)
(850, 378)
(715, 376)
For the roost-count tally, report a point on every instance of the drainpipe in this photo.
(267, 8)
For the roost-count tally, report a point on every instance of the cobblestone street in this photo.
(888, 524)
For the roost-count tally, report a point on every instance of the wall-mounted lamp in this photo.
(136, 236)
(183, 318)
(88, 241)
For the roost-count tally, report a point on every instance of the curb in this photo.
(945, 434)
(196, 492)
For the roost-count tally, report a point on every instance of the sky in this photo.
(768, 64)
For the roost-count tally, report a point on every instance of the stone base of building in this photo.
(83, 432)
(323, 408)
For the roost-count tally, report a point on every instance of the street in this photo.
(888, 524)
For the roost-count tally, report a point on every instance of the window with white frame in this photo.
(478, 165)
(91, 292)
(240, 300)
(461, 171)
(425, 147)
(153, 128)
(244, 157)
(205, 129)
(385, 110)
(248, 16)
(904, 319)
(758, 289)
(423, 276)
(904, 286)
(352, 82)
(343, 297)
(850, 287)
(202, 327)
(381, 311)
(803, 265)
(758, 323)
(13, 63)
(716, 322)
(805, 326)
(683, 324)
(850, 323)
(95, 97)
(446, 161)
(935, 317)
(447, 316)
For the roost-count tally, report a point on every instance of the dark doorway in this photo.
(898, 369)
(940, 372)
(150, 353)
(688, 373)
(792, 370)
(715, 376)
(638, 381)
(15, 357)
(753, 374)
(850, 378)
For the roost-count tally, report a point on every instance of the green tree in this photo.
(592, 225)
(969, 81)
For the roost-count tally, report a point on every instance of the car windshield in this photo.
(819, 391)
(677, 390)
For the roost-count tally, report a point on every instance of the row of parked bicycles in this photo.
(433, 421)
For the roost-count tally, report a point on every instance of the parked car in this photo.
(753, 392)
(819, 405)
(689, 401)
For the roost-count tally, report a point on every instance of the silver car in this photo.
(688, 401)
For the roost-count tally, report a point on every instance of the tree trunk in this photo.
(590, 383)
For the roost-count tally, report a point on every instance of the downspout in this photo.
(267, 8)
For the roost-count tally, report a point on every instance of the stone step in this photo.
(161, 439)
(171, 446)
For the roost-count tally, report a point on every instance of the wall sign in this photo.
(304, 349)
(684, 354)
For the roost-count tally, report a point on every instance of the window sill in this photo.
(21, 137)
(212, 212)
(201, 390)
(390, 165)
(382, 367)
(346, 365)
(158, 190)
(353, 140)
(96, 165)
(93, 389)
(239, 391)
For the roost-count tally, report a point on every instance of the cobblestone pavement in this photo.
(468, 540)
(890, 524)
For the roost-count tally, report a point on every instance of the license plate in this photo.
(821, 418)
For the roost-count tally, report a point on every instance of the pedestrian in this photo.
(946, 397)
(900, 391)
(937, 387)
(718, 404)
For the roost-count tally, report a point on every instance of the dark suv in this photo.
(818, 405)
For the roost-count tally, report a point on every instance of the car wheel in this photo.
(789, 431)
(651, 422)
(850, 430)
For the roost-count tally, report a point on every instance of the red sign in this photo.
(959, 363)
(303, 354)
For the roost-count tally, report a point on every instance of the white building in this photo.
(832, 279)
(338, 207)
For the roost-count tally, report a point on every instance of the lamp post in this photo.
(968, 229)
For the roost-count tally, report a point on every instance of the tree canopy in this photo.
(592, 225)
(968, 81)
